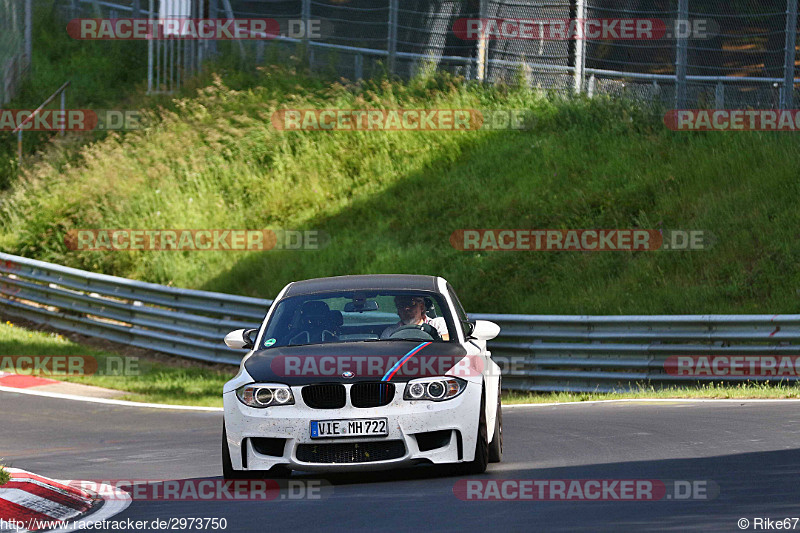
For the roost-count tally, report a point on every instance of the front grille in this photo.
(324, 396)
(371, 394)
(355, 452)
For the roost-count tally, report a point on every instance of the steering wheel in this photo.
(424, 328)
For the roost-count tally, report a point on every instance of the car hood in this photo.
(396, 361)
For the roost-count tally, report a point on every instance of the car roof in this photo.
(364, 282)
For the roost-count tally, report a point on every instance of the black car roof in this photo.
(365, 282)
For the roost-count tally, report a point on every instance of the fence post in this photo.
(137, 9)
(392, 47)
(483, 44)
(305, 15)
(212, 14)
(788, 61)
(719, 96)
(28, 35)
(681, 57)
(150, 44)
(580, 46)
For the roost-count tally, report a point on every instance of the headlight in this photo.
(264, 395)
(434, 389)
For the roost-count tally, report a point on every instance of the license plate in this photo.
(360, 427)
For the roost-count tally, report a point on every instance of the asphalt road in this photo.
(748, 451)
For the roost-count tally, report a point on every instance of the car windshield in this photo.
(324, 318)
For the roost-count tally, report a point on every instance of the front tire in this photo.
(496, 446)
(481, 461)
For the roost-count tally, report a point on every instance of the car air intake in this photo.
(371, 394)
(266, 446)
(324, 396)
(354, 452)
(431, 440)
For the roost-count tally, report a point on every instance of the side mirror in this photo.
(483, 330)
(240, 339)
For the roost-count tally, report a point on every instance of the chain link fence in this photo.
(15, 45)
(702, 53)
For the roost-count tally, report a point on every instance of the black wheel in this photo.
(479, 463)
(227, 467)
(496, 446)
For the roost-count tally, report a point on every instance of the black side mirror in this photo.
(249, 336)
(469, 328)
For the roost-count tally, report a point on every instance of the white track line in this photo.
(108, 401)
(660, 400)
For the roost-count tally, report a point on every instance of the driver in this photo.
(411, 310)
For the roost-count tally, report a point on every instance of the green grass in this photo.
(103, 75)
(151, 381)
(740, 391)
(390, 200)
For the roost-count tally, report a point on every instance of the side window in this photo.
(466, 327)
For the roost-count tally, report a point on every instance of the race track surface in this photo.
(748, 450)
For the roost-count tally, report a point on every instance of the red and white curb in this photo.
(29, 502)
(23, 381)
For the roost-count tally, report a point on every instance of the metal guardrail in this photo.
(536, 352)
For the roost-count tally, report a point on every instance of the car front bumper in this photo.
(406, 420)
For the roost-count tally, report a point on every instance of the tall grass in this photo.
(390, 200)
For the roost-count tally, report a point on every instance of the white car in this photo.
(363, 373)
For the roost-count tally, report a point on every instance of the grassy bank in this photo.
(390, 200)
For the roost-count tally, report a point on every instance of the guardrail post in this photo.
(359, 67)
(392, 45)
(580, 47)
(787, 100)
(482, 46)
(681, 57)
